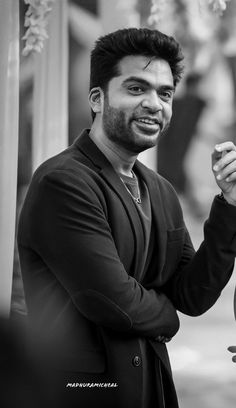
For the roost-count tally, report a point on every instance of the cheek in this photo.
(124, 102)
(168, 112)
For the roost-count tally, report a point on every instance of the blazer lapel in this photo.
(105, 169)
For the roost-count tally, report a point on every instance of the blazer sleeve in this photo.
(200, 277)
(70, 232)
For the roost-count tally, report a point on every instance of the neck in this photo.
(121, 159)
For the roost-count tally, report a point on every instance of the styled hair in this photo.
(111, 48)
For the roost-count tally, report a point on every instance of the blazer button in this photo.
(136, 361)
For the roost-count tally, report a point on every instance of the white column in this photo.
(50, 110)
(9, 114)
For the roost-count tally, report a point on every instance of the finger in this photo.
(228, 173)
(221, 150)
(226, 146)
(216, 156)
(232, 349)
(225, 160)
(231, 177)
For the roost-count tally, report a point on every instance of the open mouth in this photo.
(151, 125)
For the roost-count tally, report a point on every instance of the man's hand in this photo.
(232, 349)
(224, 168)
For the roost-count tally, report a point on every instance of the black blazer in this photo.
(81, 245)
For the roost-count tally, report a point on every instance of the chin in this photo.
(147, 141)
(141, 146)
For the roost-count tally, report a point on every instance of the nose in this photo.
(152, 102)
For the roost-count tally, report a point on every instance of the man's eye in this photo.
(135, 89)
(166, 95)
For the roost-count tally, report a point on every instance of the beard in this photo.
(118, 128)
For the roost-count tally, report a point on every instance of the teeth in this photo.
(148, 121)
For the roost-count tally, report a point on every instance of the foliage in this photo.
(36, 20)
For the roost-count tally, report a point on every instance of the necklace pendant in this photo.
(138, 200)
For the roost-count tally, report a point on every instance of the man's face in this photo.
(138, 103)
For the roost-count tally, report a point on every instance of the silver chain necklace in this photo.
(136, 199)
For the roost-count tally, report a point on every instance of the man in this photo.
(105, 255)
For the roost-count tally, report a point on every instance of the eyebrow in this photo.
(147, 83)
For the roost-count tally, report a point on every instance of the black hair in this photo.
(111, 48)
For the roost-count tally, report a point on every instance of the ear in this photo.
(96, 99)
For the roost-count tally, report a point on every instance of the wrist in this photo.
(223, 196)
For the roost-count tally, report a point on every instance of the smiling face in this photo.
(138, 103)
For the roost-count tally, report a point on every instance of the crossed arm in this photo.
(74, 239)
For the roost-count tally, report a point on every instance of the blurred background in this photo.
(53, 110)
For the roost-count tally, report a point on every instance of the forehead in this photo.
(147, 68)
